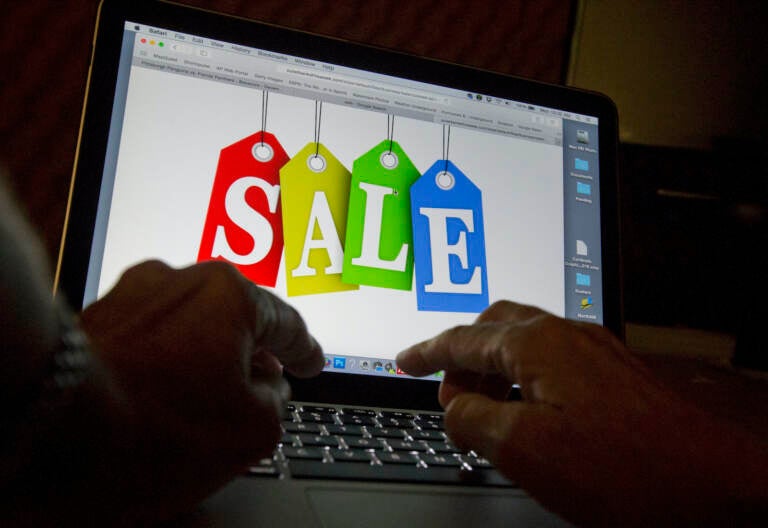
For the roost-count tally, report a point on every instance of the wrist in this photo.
(722, 472)
(63, 438)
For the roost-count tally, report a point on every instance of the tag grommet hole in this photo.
(445, 180)
(388, 160)
(262, 152)
(316, 163)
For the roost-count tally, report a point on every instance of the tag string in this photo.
(446, 145)
(390, 130)
(318, 119)
(264, 103)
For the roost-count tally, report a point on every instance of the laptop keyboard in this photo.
(368, 444)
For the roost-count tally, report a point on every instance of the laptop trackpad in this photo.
(349, 507)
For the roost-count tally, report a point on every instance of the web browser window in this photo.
(385, 210)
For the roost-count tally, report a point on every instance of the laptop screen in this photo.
(385, 209)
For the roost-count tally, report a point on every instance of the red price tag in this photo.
(243, 224)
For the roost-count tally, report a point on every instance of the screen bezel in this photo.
(92, 147)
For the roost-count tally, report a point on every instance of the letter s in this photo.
(249, 220)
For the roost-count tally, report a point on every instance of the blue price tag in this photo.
(448, 241)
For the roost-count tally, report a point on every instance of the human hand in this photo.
(595, 438)
(194, 357)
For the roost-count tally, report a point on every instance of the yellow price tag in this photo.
(315, 196)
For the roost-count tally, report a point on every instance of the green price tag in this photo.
(379, 243)
(315, 194)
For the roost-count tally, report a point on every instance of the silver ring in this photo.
(262, 152)
(445, 180)
(319, 163)
(388, 160)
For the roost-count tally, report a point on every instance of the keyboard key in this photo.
(319, 409)
(395, 473)
(402, 423)
(356, 419)
(360, 412)
(289, 439)
(350, 455)
(386, 432)
(317, 417)
(396, 458)
(477, 462)
(366, 443)
(318, 440)
(311, 453)
(296, 427)
(403, 445)
(417, 434)
(266, 467)
(335, 429)
(428, 425)
(398, 415)
(443, 447)
(440, 460)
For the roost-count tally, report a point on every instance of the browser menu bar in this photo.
(213, 60)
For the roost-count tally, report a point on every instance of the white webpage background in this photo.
(175, 127)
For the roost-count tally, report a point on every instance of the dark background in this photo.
(694, 219)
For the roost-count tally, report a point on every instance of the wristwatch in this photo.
(69, 365)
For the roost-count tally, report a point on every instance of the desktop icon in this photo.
(339, 362)
(365, 364)
(351, 364)
(378, 367)
(580, 164)
(327, 362)
(583, 279)
(400, 372)
(583, 188)
(581, 248)
(586, 302)
(582, 136)
(389, 368)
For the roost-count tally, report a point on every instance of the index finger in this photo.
(279, 328)
(481, 348)
(509, 311)
(478, 348)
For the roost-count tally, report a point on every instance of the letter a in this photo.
(320, 214)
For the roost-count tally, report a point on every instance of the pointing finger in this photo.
(479, 348)
(509, 311)
(279, 328)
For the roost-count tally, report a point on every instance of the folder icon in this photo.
(580, 164)
(583, 188)
(583, 279)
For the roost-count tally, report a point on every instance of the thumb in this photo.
(506, 433)
(473, 421)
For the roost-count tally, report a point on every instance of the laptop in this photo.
(387, 197)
